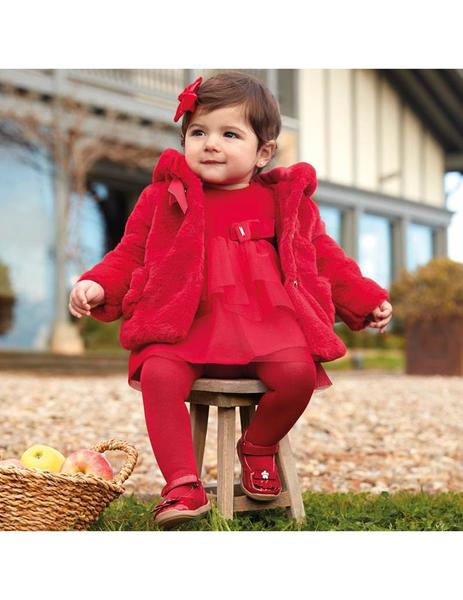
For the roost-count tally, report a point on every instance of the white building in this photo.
(381, 142)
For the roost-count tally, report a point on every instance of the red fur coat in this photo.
(154, 276)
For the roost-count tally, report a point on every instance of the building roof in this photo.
(436, 96)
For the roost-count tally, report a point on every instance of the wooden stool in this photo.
(228, 394)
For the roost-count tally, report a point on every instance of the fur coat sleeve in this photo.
(114, 271)
(354, 296)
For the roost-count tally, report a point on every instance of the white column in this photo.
(399, 245)
(350, 231)
(65, 338)
(272, 81)
(440, 242)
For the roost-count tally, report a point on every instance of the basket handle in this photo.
(131, 460)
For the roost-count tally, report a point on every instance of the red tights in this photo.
(166, 383)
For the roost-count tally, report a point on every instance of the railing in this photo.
(164, 82)
(162, 85)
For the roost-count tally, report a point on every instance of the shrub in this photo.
(367, 338)
(98, 335)
(434, 291)
(6, 289)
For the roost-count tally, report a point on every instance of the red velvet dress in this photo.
(245, 314)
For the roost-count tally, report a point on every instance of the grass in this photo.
(381, 358)
(341, 511)
(387, 359)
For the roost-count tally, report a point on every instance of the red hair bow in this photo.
(188, 99)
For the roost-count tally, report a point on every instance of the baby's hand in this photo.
(85, 295)
(381, 316)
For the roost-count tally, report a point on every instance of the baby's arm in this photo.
(354, 296)
(114, 271)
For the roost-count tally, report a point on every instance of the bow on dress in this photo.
(177, 191)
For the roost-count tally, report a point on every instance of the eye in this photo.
(196, 131)
(231, 133)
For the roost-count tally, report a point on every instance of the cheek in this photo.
(192, 164)
(190, 153)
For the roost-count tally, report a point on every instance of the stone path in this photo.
(368, 432)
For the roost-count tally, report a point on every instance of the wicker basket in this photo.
(34, 500)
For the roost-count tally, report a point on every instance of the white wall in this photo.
(356, 131)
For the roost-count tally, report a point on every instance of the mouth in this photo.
(211, 162)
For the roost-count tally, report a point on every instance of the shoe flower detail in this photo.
(264, 474)
(188, 99)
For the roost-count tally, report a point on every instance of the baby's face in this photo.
(221, 147)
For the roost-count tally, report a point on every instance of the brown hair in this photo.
(234, 88)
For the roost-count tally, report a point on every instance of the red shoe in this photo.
(264, 483)
(182, 506)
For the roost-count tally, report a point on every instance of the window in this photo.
(86, 244)
(375, 248)
(332, 218)
(27, 239)
(419, 245)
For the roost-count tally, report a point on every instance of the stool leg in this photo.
(290, 480)
(246, 414)
(225, 460)
(199, 415)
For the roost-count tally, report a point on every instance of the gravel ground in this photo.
(368, 432)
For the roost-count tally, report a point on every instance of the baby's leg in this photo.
(290, 387)
(165, 385)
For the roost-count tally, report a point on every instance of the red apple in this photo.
(11, 461)
(89, 462)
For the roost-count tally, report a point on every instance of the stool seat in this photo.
(227, 395)
(230, 386)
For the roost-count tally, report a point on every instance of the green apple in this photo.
(43, 457)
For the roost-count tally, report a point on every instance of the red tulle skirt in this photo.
(245, 314)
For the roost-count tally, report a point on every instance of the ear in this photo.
(265, 153)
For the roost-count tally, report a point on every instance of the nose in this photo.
(212, 142)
